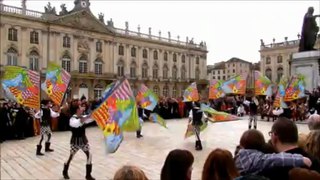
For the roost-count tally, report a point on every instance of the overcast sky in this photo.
(230, 29)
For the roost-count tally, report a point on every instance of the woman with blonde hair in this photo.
(130, 173)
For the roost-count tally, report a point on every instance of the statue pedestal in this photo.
(307, 64)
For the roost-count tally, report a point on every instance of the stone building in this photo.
(96, 53)
(275, 57)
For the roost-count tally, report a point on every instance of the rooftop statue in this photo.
(49, 9)
(63, 9)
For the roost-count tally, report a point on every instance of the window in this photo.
(234, 71)
(120, 68)
(174, 92)
(155, 71)
(133, 52)
(213, 72)
(144, 70)
(233, 65)
(155, 55)
(223, 71)
(223, 77)
(83, 64)
(34, 61)
(165, 91)
(34, 37)
(133, 67)
(156, 90)
(240, 64)
(174, 72)
(183, 73)
(183, 58)
(165, 72)
(197, 71)
(66, 41)
(144, 53)
(165, 56)
(13, 34)
(98, 46)
(12, 57)
(197, 60)
(98, 66)
(269, 73)
(218, 71)
(174, 58)
(279, 73)
(97, 91)
(268, 60)
(66, 63)
(279, 59)
(121, 50)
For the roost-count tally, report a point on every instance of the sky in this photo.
(229, 28)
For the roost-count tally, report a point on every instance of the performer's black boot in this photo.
(249, 127)
(198, 145)
(255, 127)
(88, 172)
(39, 150)
(47, 147)
(65, 171)
(139, 134)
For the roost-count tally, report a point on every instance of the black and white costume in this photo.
(45, 116)
(79, 141)
(141, 117)
(196, 115)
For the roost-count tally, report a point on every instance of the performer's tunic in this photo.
(78, 138)
(46, 114)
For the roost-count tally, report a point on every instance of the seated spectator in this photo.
(312, 144)
(130, 173)
(178, 165)
(305, 174)
(219, 166)
(252, 160)
(284, 138)
(313, 120)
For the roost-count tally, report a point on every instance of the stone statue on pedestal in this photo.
(64, 10)
(309, 31)
(49, 9)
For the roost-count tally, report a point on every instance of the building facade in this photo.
(97, 53)
(228, 69)
(275, 57)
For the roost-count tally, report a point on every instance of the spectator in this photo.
(312, 144)
(219, 166)
(305, 174)
(178, 165)
(314, 120)
(130, 173)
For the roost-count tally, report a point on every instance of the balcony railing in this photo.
(20, 11)
(281, 44)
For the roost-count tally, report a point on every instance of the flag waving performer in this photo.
(78, 141)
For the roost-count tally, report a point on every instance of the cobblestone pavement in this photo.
(18, 159)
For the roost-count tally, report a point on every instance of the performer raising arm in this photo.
(45, 116)
(79, 141)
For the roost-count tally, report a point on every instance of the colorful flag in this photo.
(215, 90)
(190, 129)
(154, 117)
(217, 116)
(279, 100)
(22, 85)
(116, 114)
(295, 89)
(147, 98)
(56, 82)
(262, 85)
(191, 93)
(235, 85)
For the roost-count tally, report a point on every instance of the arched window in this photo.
(174, 57)
(144, 53)
(12, 57)
(183, 73)
(83, 64)
(121, 50)
(156, 90)
(268, 60)
(98, 63)
(155, 70)
(13, 34)
(279, 73)
(174, 72)
(133, 68)
(197, 75)
(97, 91)
(165, 71)
(98, 46)
(174, 92)
(165, 91)
(34, 61)
(66, 62)
(197, 60)
(144, 70)
(120, 68)
(155, 54)
(133, 52)
(165, 56)
(66, 41)
(34, 37)
(183, 58)
(269, 73)
(279, 59)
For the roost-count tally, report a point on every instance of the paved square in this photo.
(18, 159)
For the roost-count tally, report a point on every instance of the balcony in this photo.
(19, 11)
